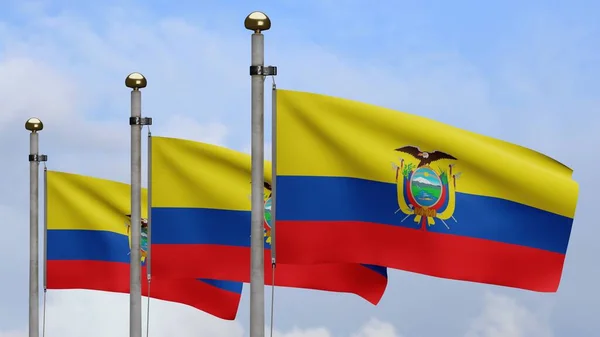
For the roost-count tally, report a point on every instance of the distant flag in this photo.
(201, 223)
(88, 248)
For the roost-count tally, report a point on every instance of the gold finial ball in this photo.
(34, 124)
(135, 81)
(257, 22)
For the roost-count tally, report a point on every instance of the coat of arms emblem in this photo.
(143, 238)
(267, 220)
(268, 215)
(425, 193)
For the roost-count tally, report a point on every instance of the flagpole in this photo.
(273, 175)
(149, 231)
(257, 22)
(34, 125)
(149, 198)
(135, 81)
(45, 254)
(273, 199)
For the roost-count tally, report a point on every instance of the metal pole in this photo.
(257, 268)
(45, 285)
(274, 174)
(273, 198)
(149, 237)
(34, 125)
(45, 254)
(34, 294)
(135, 289)
(257, 22)
(149, 231)
(135, 81)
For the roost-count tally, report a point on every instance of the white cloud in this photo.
(376, 328)
(75, 313)
(503, 316)
(14, 333)
(182, 126)
(296, 332)
(29, 87)
(373, 328)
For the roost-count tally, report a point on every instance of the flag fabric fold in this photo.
(201, 223)
(364, 184)
(88, 246)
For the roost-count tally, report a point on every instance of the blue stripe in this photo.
(88, 245)
(207, 226)
(201, 226)
(232, 286)
(378, 269)
(350, 199)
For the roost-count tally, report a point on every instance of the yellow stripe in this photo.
(85, 203)
(190, 174)
(327, 136)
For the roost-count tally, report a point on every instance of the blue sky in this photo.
(526, 72)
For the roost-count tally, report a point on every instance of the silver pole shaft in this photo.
(34, 294)
(135, 286)
(149, 238)
(274, 173)
(45, 253)
(257, 268)
(149, 231)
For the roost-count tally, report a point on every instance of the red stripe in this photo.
(114, 277)
(435, 254)
(233, 263)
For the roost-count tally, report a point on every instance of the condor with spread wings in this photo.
(426, 158)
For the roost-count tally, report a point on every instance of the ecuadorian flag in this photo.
(201, 223)
(361, 183)
(88, 246)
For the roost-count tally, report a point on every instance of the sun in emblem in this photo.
(424, 193)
